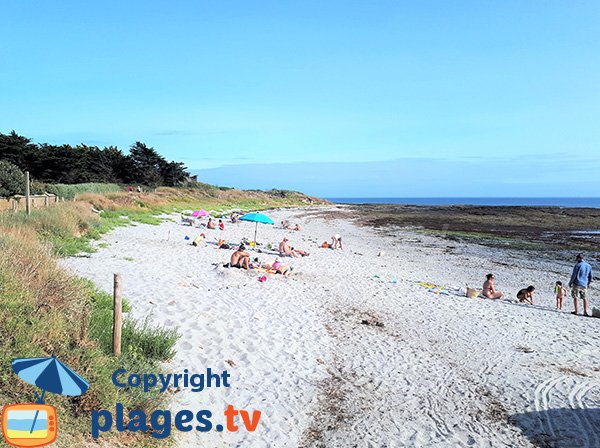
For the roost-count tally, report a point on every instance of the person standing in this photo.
(561, 293)
(580, 281)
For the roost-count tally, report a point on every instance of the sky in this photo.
(333, 98)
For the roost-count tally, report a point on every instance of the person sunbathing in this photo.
(211, 224)
(240, 259)
(489, 290)
(278, 267)
(336, 241)
(298, 228)
(286, 250)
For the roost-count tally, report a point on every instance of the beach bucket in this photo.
(473, 293)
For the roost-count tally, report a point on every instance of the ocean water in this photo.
(556, 202)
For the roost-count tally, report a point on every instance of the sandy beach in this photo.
(350, 351)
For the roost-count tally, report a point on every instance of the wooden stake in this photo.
(117, 316)
(27, 194)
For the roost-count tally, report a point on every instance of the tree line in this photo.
(82, 163)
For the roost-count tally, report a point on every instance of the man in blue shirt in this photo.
(580, 281)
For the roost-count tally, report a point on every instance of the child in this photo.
(221, 224)
(560, 292)
(526, 295)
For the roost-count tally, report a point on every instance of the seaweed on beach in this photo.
(525, 228)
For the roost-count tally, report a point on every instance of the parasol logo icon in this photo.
(36, 424)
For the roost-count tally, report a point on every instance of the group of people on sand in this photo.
(212, 225)
(288, 226)
(581, 278)
(241, 259)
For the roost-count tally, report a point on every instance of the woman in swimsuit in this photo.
(489, 289)
(278, 267)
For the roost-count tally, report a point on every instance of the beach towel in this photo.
(440, 289)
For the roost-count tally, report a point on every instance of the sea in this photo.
(553, 202)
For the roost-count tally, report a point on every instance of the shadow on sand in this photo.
(560, 428)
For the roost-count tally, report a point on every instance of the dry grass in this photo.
(43, 309)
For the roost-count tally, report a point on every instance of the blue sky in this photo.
(336, 98)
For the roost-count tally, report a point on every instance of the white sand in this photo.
(443, 370)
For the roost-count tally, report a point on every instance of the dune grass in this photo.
(139, 338)
(45, 311)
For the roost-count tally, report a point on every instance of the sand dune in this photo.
(351, 351)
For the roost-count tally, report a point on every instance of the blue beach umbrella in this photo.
(50, 375)
(257, 218)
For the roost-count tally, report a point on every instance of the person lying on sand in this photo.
(278, 267)
(489, 290)
(336, 241)
(286, 250)
(525, 295)
(222, 244)
(286, 225)
(211, 224)
(240, 259)
(298, 228)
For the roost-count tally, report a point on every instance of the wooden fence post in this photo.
(27, 193)
(117, 316)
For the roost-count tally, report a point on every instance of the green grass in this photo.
(44, 311)
(139, 339)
